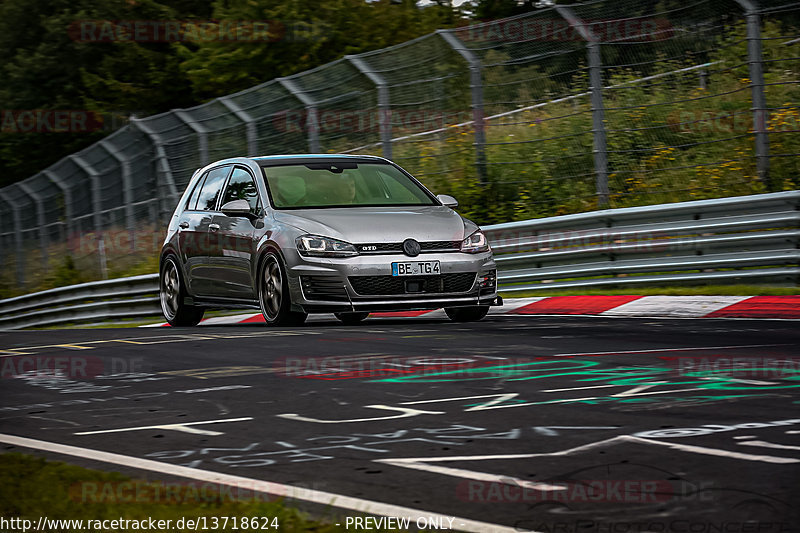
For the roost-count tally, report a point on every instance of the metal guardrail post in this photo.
(94, 176)
(754, 60)
(598, 111)
(127, 183)
(476, 91)
(65, 190)
(40, 219)
(17, 237)
(312, 122)
(163, 161)
(201, 131)
(250, 124)
(385, 119)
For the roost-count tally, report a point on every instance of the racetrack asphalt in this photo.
(527, 423)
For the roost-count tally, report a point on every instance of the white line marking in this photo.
(183, 427)
(404, 412)
(719, 453)
(478, 476)
(295, 493)
(764, 444)
(579, 388)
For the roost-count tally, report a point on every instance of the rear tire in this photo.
(273, 294)
(351, 319)
(467, 314)
(172, 293)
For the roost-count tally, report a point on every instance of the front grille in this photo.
(323, 288)
(389, 285)
(397, 247)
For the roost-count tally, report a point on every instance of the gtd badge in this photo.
(369, 248)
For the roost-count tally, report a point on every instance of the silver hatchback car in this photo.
(302, 234)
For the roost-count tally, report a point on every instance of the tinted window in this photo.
(241, 186)
(211, 189)
(192, 203)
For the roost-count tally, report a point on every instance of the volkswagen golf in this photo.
(293, 235)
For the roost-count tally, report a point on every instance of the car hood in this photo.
(380, 224)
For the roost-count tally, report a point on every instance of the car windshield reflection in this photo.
(315, 185)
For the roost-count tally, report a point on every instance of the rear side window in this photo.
(192, 203)
(242, 186)
(209, 193)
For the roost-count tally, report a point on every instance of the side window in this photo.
(242, 186)
(207, 201)
(192, 203)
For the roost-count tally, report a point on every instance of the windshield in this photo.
(342, 184)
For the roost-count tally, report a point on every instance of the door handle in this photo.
(183, 225)
(213, 227)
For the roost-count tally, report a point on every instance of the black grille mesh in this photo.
(323, 288)
(397, 247)
(389, 285)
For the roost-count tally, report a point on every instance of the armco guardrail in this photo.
(97, 300)
(755, 239)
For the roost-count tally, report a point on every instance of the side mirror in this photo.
(237, 208)
(447, 200)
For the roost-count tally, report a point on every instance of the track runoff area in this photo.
(520, 422)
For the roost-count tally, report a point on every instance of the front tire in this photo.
(172, 293)
(273, 294)
(467, 314)
(351, 319)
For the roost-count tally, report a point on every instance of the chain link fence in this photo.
(566, 109)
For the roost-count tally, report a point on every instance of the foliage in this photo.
(45, 64)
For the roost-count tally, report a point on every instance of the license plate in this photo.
(416, 268)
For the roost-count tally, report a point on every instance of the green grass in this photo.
(700, 290)
(32, 487)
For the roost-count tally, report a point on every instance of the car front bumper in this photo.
(364, 283)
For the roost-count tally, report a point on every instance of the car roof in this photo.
(273, 158)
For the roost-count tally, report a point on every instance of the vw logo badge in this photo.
(411, 248)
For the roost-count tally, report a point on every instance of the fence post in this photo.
(163, 163)
(598, 111)
(52, 176)
(754, 60)
(94, 177)
(249, 122)
(385, 118)
(127, 184)
(476, 92)
(17, 237)
(40, 219)
(311, 108)
(201, 131)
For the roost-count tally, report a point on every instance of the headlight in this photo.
(316, 246)
(475, 243)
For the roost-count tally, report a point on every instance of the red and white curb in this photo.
(785, 307)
